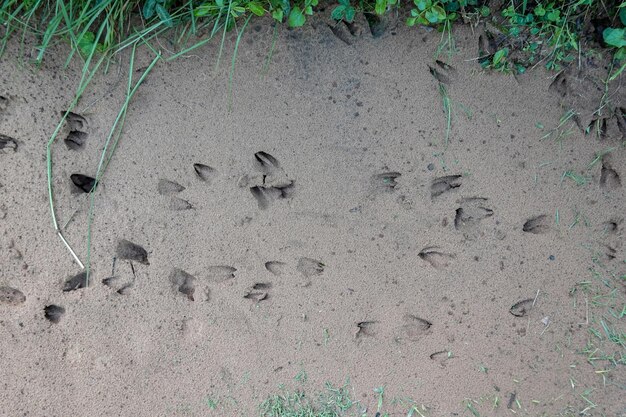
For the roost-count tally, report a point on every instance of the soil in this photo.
(315, 219)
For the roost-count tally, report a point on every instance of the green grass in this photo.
(332, 402)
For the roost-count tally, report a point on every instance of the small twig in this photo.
(530, 312)
(67, 245)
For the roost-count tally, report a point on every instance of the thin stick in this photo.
(533, 306)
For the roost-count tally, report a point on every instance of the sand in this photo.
(327, 229)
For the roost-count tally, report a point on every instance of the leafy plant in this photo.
(428, 13)
(157, 7)
(344, 11)
(616, 37)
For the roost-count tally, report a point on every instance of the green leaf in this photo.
(411, 21)
(85, 43)
(432, 16)
(256, 8)
(381, 7)
(539, 11)
(350, 13)
(308, 10)
(554, 15)
(622, 14)
(615, 37)
(148, 9)
(296, 17)
(485, 11)
(338, 12)
(220, 3)
(278, 15)
(164, 15)
(499, 56)
(421, 4)
(344, 2)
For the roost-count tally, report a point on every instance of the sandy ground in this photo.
(328, 230)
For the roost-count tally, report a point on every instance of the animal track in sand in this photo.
(435, 258)
(414, 328)
(205, 172)
(77, 137)
(76, 282)
(258, 292)
(167, 187)
(83, 183)
(445, 184)
(11, 296)
(131, 252)
(522, 308)
(609, 178)
(170, 188)
(559, 85)
(7, 142)
(275, 267)
(220, 273)
(116, 283)
(471, 212)
(537, 225)
(184, 282)
(53, 313)
(368, 328)
(386, 181)
(271, 185)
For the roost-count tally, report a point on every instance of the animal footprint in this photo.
(386, 181)
(258, 292)
(275, 267)
(76, 282)
(205, 172)
(444, 184)
(7, 142)
(522, 308)
(366, 329)
(611, 226)
(77, 137)
(184, 281)
(167, 187)
(414, 328)
(443, 356)
(559, 85)
(310, 267)
(131, 252)
(272, 185)
(53, 313)
(75, 121)
(264, 195)
(267, 162)
(436, 259)
(178, 204)
(609, 178)
(117, 284)
(220, 273)
(438, 75)
(537, 225)
(75, 140)
(83, 183)
(471, 212)
(11, 296)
